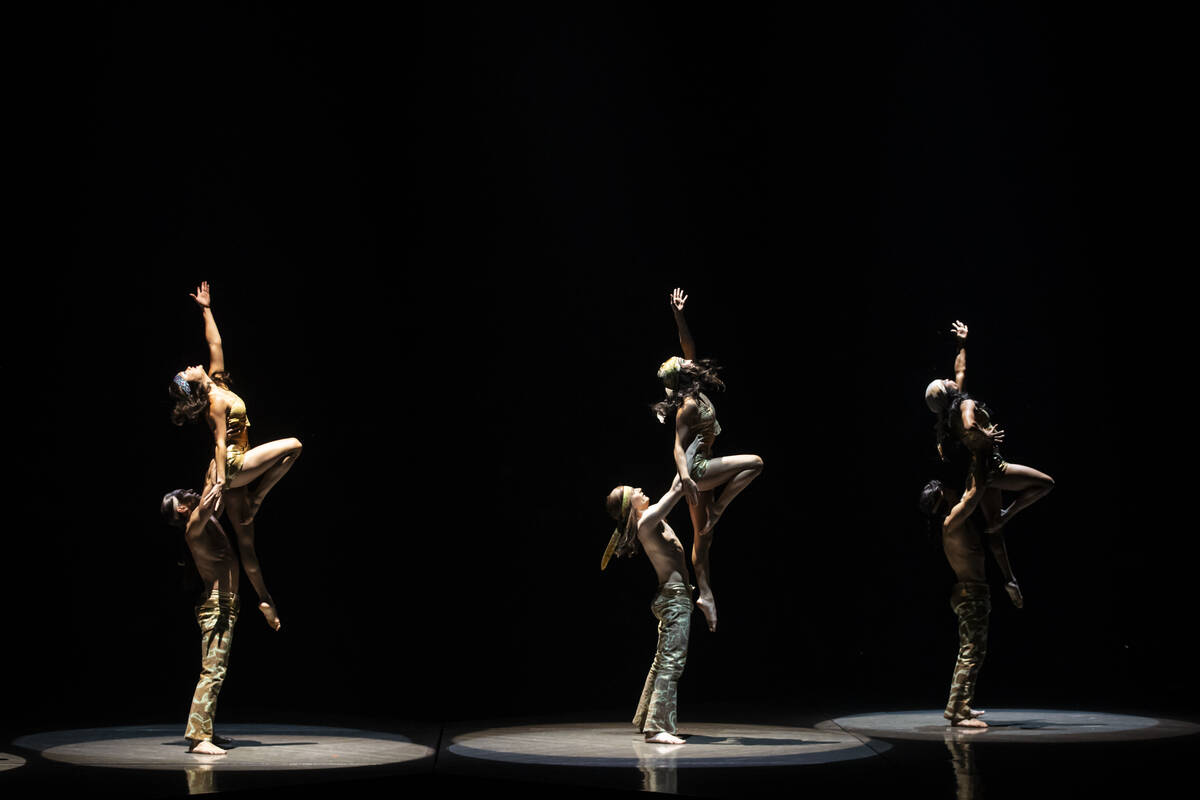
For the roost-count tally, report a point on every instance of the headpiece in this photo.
(669, 372)
(183, 384)
(935, 396)
(618, 543)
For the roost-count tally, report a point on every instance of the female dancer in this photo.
(696, 427)
(235, 464)
(964, 428)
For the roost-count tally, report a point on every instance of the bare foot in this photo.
(708, 607)
(970, 722)
(205, 747)
(662, 737)
(976, 712)
(1014, 594)
(268, 611)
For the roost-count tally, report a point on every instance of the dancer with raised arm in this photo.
(962, 542)
(209, 395)
(217, 613)
(686, 379)
(640, 524)
(966, 434)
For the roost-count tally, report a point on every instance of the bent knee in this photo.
(756, 463)
(295, 445)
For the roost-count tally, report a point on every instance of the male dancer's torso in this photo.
(214, 557)
(665, 552)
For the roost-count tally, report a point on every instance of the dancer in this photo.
(235, 463)
(640, 523)
(970, 601)
(966, 424)
(217, 614)
(696, 429)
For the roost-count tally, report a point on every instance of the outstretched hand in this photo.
(691, 491)
(677, 298)
(959, 329)
(212, 498)
(996, 435)
(202, 297)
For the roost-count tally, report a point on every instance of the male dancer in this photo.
(639, 522)
(962, 542)
(219, 571)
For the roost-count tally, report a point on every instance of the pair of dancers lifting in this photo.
(968, 442)
(238, 478)
(642, 525)
(209, 395)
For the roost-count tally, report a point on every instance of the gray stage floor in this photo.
(912, 752)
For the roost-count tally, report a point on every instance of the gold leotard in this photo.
(237, 436)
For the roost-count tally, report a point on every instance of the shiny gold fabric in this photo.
(237, 437)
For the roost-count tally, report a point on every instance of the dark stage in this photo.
(440, 244)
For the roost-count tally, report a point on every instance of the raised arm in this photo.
(200, 516)
(960, 360)
(216, 419)
(677, 299)
(216, 354)
(654, 514)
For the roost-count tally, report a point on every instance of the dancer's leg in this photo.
(1030, 484)
(217, 615)
(237, 508)
(971, 603)
(701, 542)
(735, 473)
(270, 461)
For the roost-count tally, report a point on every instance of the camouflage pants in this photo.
(673, 608)
(971, 603)
(217, 616)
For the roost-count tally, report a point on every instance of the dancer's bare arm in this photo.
(963, 509)
(200, 516)
(655, 513)
(677, 299)
(687, 415)
(216, 418)
(960, 361)
(216, 354)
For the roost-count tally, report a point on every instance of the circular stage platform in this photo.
(10, 761)
(1038, 725)
(619, 745)
(254, 748)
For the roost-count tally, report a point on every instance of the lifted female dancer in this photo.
(965, 433)
(235, 464)
(696, 428)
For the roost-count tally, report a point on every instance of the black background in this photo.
(440, 245)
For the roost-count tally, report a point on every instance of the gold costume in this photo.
(237, 436)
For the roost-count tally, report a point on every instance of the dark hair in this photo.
(170, 515)
(695, 377)
(931, 495)
(191, 406)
